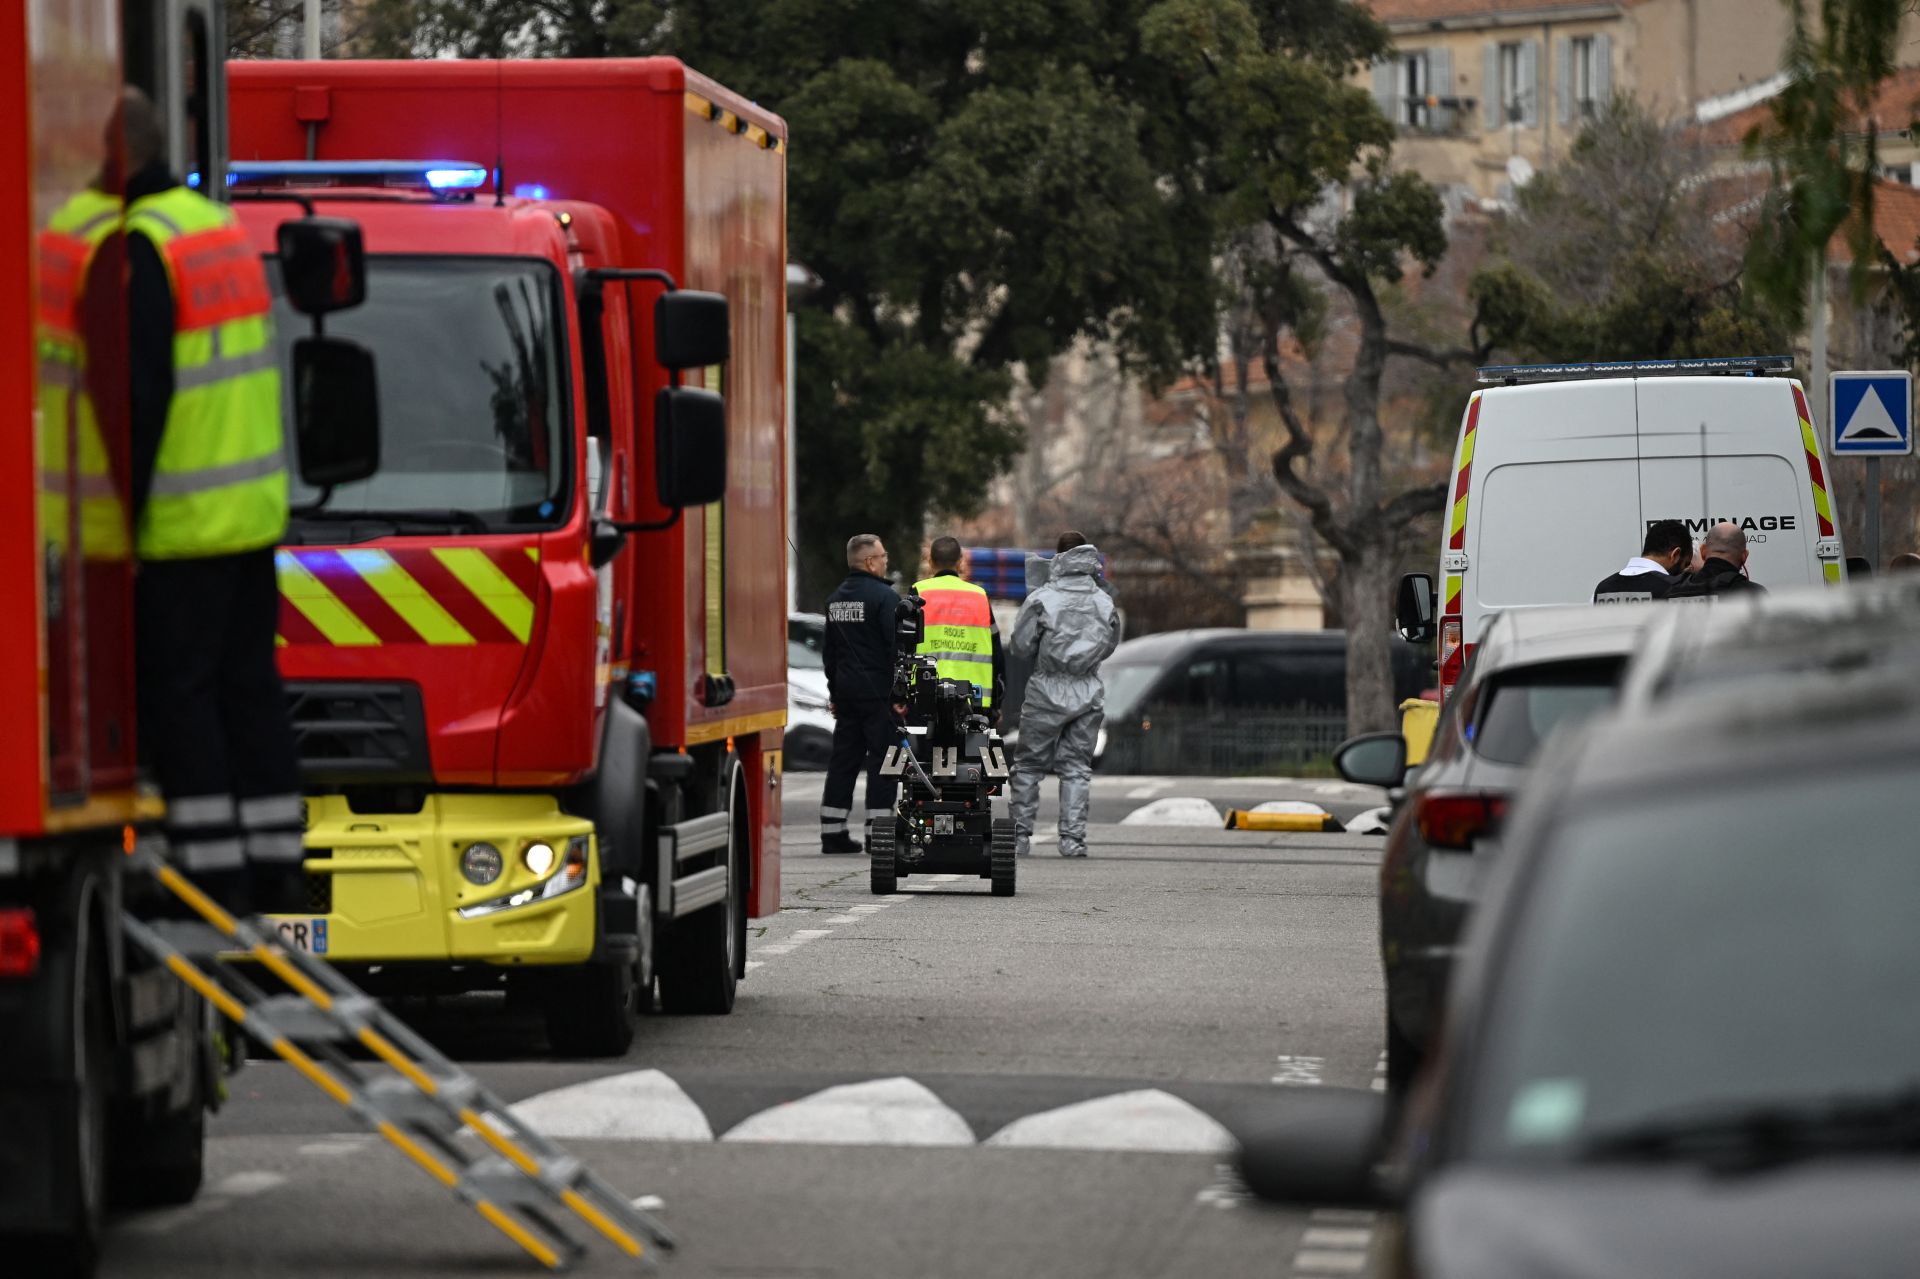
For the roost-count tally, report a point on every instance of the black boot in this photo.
(841, 843)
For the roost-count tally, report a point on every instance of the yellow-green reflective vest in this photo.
(959, 631)
(220, 480)
(67, 419)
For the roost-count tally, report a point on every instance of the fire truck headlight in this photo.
(482, 863)
(538, 858)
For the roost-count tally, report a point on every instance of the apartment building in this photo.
(1486, 92)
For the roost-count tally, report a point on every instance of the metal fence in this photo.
(1235, 744)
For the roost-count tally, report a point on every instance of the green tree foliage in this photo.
(976, 184)
(1823, 160)
(1292, 158)
(1621, 252)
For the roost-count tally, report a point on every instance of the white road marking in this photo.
(1329, 1263)
(1300, 1072)
(1380, 1073)
(641, 1105)
(1335, 1237)
(755, 963)
(650, 1203)
(1175, 810)
(1147, 1119)
(879, 1112)
(841, 919)
(1226, 1190)
(1344, 1216)
(1043, 837)
(336, 1146)
(1149, 790)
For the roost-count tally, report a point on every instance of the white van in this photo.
(1561, 468)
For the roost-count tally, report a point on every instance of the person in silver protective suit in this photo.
(1066, 628)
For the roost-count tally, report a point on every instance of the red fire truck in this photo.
(537, 660)
(106, 1062)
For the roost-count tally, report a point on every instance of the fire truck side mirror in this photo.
(323, 264)
(336, 411)
(689, 447)
(690, 329)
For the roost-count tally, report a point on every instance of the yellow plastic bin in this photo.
(1418, 717)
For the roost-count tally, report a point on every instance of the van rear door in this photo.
(1552, 506)
(1731, 448)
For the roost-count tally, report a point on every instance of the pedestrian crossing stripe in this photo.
(648, 1105)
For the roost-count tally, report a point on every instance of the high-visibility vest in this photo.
(67, 416)
(959, 631)
(220, 480)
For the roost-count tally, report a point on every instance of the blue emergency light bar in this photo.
(1745, 365)
(441, 176)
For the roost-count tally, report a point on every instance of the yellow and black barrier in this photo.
(1250, 819)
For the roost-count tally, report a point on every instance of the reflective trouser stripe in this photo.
(876, 814)
(224, 853)
(272, 810)
(200, 810)
(833, 828)
(827, 811)
(280, 847)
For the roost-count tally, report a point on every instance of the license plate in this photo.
(309, 935)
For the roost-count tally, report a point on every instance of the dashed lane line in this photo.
(1335, 1242)
(1300, 1072)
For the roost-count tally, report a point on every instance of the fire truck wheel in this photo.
(1003, 865)
(880, 868)
(700, 963)
(76, 1251)
(160, 1164)
(590, 1011)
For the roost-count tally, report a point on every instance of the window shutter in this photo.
(1490, 89)
(1440, 84)
(1530, 84)
(1602, 70)
(1386, 80)
(1563, 80)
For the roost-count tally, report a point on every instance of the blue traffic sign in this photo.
(1872, 414)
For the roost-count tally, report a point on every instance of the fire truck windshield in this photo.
(473, 386)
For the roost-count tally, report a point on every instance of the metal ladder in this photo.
(527, 1187)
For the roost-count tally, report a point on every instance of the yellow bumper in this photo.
(398, 894)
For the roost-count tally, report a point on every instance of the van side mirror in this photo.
(323, 264)
(690, 329)
(1413, 608)
(1859, 566)
(336, 411)
(689, 447)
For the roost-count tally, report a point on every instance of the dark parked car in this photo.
(1234, 702)
(1685, 1036)
(1533, 672)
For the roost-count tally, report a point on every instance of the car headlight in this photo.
(537, 857)
(482, 863)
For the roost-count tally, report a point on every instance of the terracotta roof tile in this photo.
(1894, 107)
(1896, 221)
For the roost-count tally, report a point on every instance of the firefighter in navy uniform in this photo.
(209, 501)
(858, 654)
(962, 637)
(1648, 576)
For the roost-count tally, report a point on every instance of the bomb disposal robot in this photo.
(949, 774)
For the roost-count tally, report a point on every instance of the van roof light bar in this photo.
(442, 177)
(1741, 365)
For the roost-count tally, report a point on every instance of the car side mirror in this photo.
(1373, 759)
(690, 329)
(336, 411)
(1321, 1149)
(323, 264)
(1413, 608)
(689, 447)
(1859, 566)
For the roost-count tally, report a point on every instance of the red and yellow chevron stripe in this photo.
(1822, 506)
(1457, 524)
(352, 596)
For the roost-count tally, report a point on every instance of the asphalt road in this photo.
(934, 1083)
